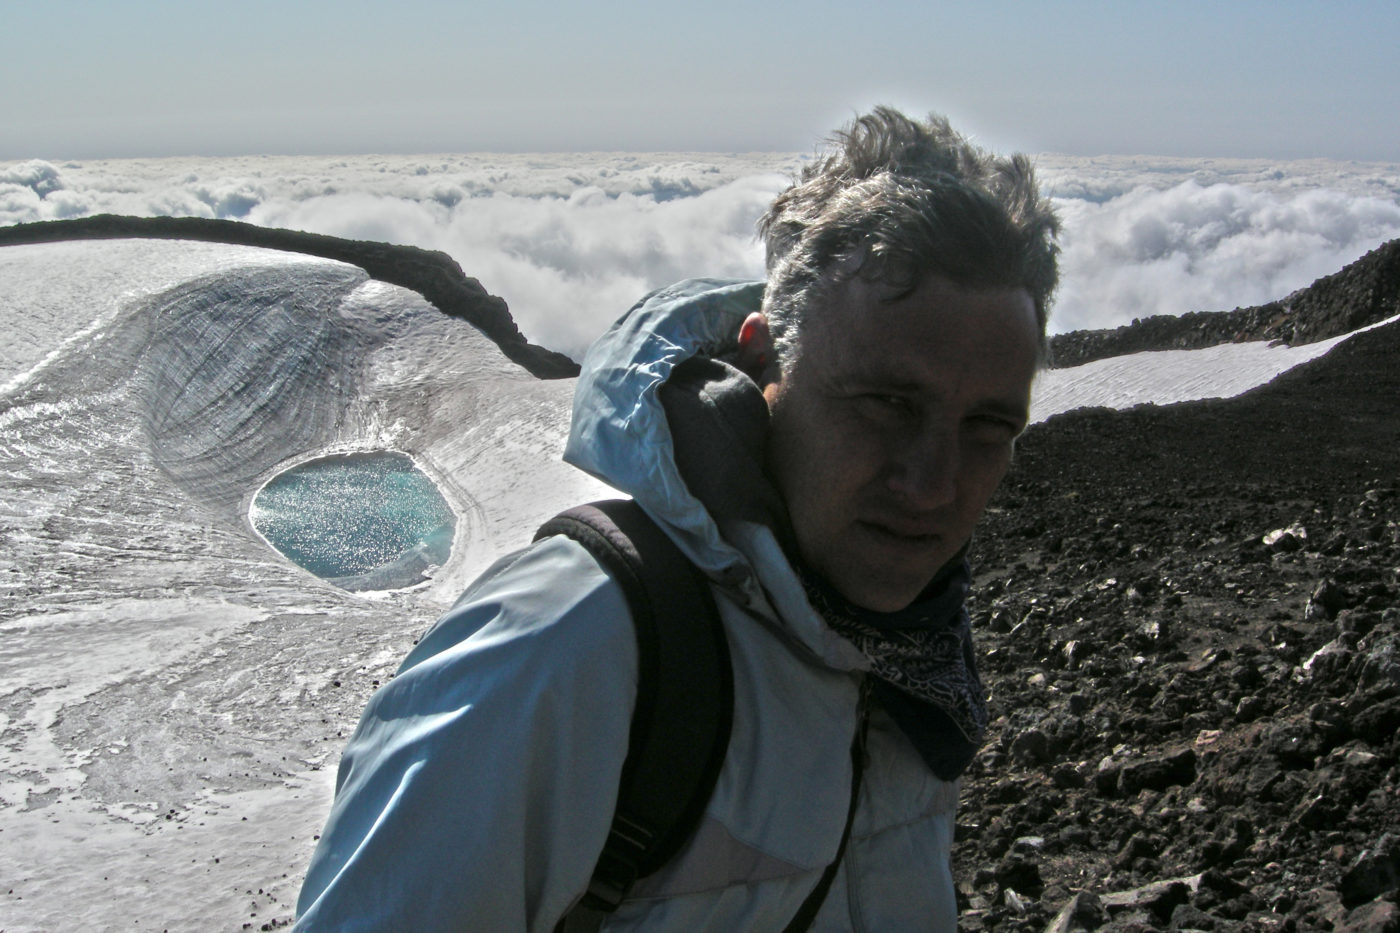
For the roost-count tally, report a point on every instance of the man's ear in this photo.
(756, 357)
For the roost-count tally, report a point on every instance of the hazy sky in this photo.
(1278, 79)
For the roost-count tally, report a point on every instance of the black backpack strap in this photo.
(812, 904)
(685, 695)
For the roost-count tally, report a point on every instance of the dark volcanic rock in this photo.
(1160, 898)
(1021, 875)
(1083, 912)
(1376, 917)
(1376, 872)
(1379, 723)
(1128, 612)
(1158, 773)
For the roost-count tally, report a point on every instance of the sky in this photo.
(123, 78)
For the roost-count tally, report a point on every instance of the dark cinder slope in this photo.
(1197, 729)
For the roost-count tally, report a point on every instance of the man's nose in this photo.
(924, 471)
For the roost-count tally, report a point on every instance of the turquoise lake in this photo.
(365, 521)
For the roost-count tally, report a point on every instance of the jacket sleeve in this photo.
(478, 789)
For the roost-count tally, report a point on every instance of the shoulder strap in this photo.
(807, 913)
(685, 694)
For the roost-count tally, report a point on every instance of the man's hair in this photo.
(894, 201)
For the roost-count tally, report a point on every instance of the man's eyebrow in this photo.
(891, 382)
(875, 379)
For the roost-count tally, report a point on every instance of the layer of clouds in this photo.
(1166, 236)
(572, 240)
(567, 266)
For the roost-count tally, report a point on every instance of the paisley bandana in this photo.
(922, 659)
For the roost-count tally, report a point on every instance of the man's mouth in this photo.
(902, 535)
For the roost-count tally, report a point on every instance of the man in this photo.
(821, 448)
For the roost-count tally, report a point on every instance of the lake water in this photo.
(365, 521)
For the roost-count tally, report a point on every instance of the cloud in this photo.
(572, 240)
(19, 204)
(1194, 247)
(37, 175)
(567, 266)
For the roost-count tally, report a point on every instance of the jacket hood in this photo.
(621, 434)
(619, 430)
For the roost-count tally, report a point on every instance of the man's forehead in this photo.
(911, 341)
(856, 307)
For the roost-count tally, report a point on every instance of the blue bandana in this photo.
(923, 663)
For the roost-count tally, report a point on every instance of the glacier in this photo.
(176, 694)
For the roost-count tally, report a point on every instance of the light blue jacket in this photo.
(479, 787)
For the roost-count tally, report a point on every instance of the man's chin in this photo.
(878, 593)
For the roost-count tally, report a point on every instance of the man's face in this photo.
(893, 426)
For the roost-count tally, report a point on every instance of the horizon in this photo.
(1287, 80)
(1204, 161)
(571, 240)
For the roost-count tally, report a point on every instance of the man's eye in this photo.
(993, 430)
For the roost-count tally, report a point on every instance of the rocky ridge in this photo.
(434, 275)
(1365, 292)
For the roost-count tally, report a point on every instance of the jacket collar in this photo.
(621, 432)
